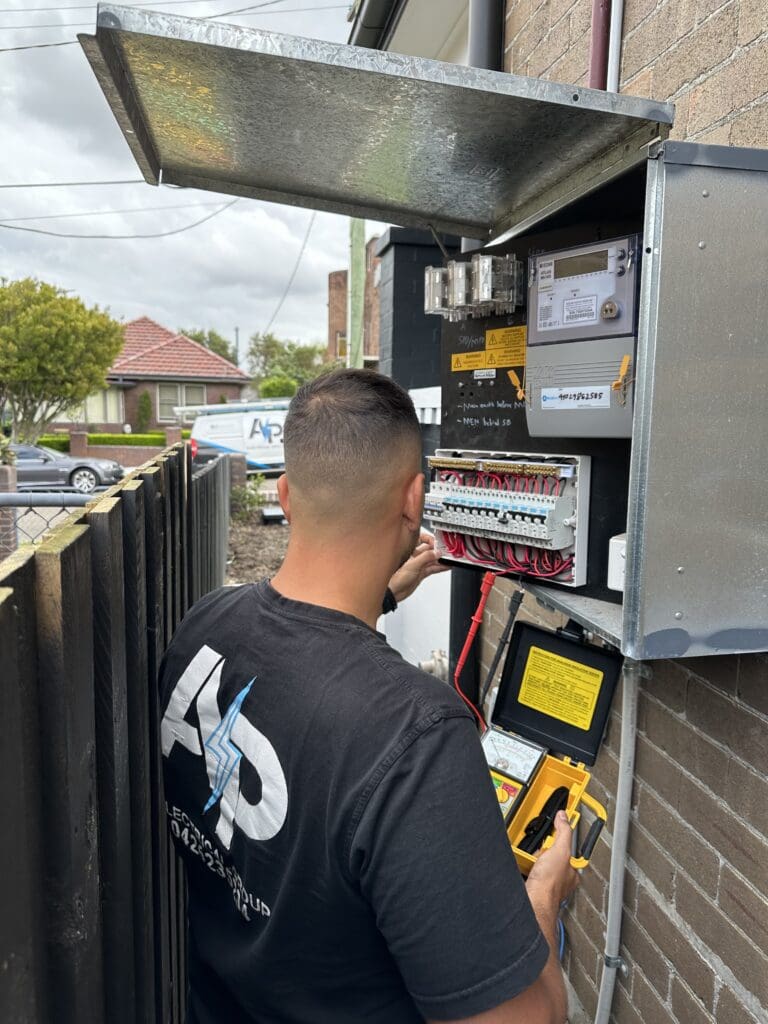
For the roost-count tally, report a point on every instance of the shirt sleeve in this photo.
(432, 858)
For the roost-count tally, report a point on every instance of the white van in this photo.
(255, 429)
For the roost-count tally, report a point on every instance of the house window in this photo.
(101, 407)
(170, 396)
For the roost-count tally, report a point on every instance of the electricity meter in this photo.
(436, 290)
(582, 333)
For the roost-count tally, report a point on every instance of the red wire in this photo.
(485, 589)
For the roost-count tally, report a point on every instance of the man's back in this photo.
(346, 859)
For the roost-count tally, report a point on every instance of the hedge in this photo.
(129, 440)
(59, 442)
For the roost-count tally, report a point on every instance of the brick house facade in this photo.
(337, 309)
(695, 932)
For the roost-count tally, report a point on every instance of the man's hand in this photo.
(552, 873)
(422, 563)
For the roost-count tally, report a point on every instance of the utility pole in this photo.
(355, 289)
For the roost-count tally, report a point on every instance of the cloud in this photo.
(231, 271)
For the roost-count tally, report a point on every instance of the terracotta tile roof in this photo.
(151, 350)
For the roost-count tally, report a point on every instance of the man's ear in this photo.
(413, 507)
(284, 495)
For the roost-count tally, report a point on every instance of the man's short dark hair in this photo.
(345, 426)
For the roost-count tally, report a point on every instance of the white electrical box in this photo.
(617, 561)
(519, 513)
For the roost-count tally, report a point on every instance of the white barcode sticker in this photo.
(580, 311)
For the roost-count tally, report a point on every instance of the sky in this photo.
(56, 126)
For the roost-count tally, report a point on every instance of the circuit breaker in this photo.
(582, 339)
(519, 513)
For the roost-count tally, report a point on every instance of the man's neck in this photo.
(347, 578)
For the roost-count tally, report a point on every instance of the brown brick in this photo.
(643, 46)
(719, 136)
(689, 966)
(630, 893)
(720, 671)
(751, 127)
(700, 50)
(744, 906)
(531, 35)
(552, 46)
(734, 86)
(710, 816)
(650, 1007)
(635, 11)
(601, 856)
(623, 1010)
(752, 678)
(679, 841)
(680, 127)
(583, 949)
(518, 13)
(640, 85)
(753, 20)
(746, 792)
(668, 683)
(573, 63)
(686, 745)
(730, 1009)
(748, 963)
(685, 1006)
(706, 8)
(731, 724)
(651, 860)
(659, 772)
(582, 910)
(642, 955)
(583, 985)
(580, 16)
(595, 887)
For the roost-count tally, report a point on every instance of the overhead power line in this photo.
(157, 234)
(284, 296)
(36, 46)
(72, 184)
(248, 11)
(104, 213)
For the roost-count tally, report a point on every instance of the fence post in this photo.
(23, 987)
(8, 533)
(70, 809)
(134, 570)
(112, 758)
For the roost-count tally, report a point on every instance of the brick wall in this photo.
(695, 932)
(709, 57)
(337, 311)
(214, 393)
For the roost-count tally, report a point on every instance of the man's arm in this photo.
(422, 563)
(550, 882)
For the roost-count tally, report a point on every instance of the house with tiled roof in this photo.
(171, 368)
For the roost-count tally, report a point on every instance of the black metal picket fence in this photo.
(93, 927)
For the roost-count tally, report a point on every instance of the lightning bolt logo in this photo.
(223, 750)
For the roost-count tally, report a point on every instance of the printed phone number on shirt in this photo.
(185, 830)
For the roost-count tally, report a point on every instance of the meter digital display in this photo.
(586, 263)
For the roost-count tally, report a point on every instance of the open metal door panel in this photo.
(352, 130)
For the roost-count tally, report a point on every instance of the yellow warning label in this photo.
(504, 346)
(468, 360)
(561, 688)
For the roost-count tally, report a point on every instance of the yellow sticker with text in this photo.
(560, 688)
(468, 360)
(509, 343)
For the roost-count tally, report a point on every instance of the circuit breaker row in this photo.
(516, 513)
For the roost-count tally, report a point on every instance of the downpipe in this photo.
(632, 672)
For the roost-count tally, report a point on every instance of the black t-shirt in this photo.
(346, 857)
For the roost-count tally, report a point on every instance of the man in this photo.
(346, 858)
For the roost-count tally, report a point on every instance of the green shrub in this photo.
(143, 412)
(278, 386)
(245, 500)
(185, 435)
(149, 440)
(59, 442)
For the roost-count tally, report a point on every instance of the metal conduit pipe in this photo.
(614, 46)
(632, 671)
(598, 43)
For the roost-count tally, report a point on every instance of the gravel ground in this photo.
(255, 550)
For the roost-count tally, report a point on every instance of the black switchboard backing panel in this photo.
(486, 414)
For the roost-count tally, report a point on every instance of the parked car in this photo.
(39, 468)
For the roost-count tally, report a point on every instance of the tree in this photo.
(215, 342)
(269, 356)
(54, 353)
(143, 412)
(277, 387)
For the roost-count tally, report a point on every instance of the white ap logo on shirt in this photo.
(225, 740)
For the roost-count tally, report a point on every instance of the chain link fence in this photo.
(26, 518)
